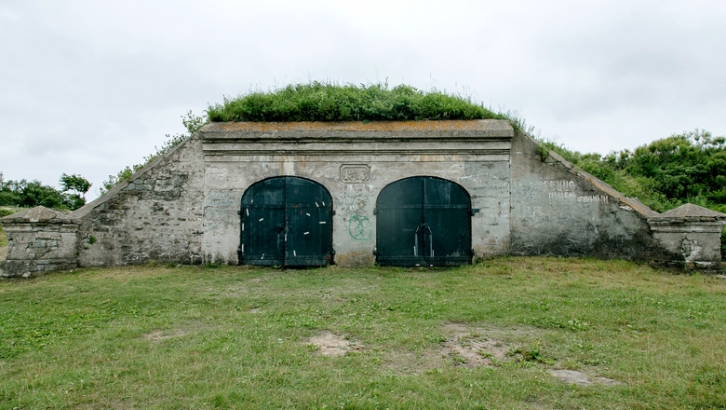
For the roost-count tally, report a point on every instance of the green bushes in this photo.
(317, 101)
(28, 194)
(667, 173)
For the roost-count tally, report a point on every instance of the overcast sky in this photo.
(88, 87)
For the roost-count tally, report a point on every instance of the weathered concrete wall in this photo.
(39, 241)
(183, 207)
(558, 209)
(156, 215)
(354, 164)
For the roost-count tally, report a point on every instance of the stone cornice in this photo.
(478, 137)
(356, 131)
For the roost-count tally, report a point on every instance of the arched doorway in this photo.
(423, 221)
(286, 221)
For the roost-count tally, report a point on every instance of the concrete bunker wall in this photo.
(156, 215)
(354, 166)
(560, 210)
(183, 207)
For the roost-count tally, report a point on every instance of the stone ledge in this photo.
(31, 268)
(378, 130)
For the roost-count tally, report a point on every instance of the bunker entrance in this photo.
(286, 221)
(423, 221)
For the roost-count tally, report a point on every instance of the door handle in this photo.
(415, 242)
(431, 241)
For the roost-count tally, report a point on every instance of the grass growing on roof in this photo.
(235, 337)
(318, 101)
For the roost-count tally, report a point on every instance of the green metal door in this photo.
(423, 221)
(286, 221)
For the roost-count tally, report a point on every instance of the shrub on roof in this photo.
(318, 101)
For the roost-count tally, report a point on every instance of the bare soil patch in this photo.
(580, 378)
(482, 346)
(330, 344)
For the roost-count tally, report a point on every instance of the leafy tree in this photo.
(75, 183)
(28, 194)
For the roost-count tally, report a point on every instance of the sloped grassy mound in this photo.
(317, 101)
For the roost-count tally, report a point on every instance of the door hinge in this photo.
(239, 212)
(375, 211)
(473, 211)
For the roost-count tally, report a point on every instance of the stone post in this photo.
(692, 234)
(40, 240)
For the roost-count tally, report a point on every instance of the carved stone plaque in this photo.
(355, 172)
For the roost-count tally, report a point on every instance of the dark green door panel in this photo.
(423, 221)
(286, 221)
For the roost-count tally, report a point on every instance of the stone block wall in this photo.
(40, 241)
(156, 215)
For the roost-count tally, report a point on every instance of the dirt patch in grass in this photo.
(330, 344)
(466, 346)
(580, 378)
(482, 346)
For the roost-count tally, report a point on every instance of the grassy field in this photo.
(483, 336)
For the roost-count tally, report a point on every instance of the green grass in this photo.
(317, 101)
(233, 337)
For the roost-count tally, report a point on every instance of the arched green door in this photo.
(286, 221)
(423, 221)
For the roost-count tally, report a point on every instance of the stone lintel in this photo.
(357, 130)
